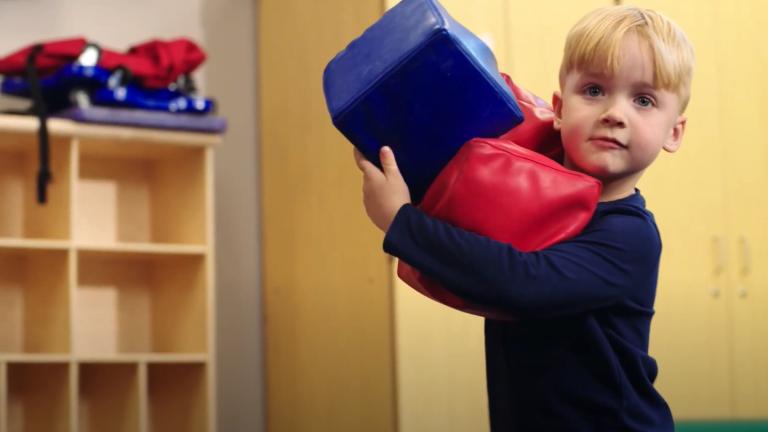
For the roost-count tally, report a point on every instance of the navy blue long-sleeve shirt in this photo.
(577, 360)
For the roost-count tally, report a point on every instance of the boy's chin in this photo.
(590, 168)
(603, 172)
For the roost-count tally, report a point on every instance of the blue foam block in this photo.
(418, 81)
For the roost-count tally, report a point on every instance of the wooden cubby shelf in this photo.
(147, 358)
(38, 397)
(106, 290)
(178, 397)
(21, 217)
(26, 244)
(144, 248)
(106, 393)
(137, 303)
(140, 193)
(34, 301)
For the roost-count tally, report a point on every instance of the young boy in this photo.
(578, 358)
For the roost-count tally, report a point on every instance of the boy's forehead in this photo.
(633, 78)
(633, 63)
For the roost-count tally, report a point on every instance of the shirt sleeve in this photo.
(602, 266)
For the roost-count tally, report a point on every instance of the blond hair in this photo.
(595, 41)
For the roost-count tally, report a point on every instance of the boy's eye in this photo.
(593, 90)
(644, 101)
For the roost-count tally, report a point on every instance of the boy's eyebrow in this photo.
(640, 85)
(595, 75)
(645, 86)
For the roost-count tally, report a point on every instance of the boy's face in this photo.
(613, 127)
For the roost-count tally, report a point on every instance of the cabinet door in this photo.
(743, 115)
(685, 191)
(327, 288)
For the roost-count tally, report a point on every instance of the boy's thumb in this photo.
(388, 162)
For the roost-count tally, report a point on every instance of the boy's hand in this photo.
(384, 191)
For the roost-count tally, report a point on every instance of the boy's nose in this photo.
(612, 117)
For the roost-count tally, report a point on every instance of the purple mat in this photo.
(146, 119)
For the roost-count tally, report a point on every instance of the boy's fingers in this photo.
(364, 164)
(358, 156)
(388, 162)
(360, 160)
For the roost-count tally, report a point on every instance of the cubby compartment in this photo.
(134, 192)
(38, 397)
(21, 216)
(34, 301)
(108, 397)
(140, 303)
(177, 398)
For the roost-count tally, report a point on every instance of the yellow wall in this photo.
(709, 335)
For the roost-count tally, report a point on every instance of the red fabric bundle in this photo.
(510, 192)
(54, 54)
(156, 64)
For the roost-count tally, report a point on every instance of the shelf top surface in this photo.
(24, 244)
(21, 244)
(106, 358)
(143, 248)
(68, 128)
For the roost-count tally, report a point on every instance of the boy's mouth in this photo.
(607, 141)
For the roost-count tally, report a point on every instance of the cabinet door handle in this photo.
(718, 249)
(746, 256)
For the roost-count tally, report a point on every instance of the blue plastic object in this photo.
(56, 87)
(421, 83)
(131, 96)
(95, 82)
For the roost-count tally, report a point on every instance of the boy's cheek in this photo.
(571, 136)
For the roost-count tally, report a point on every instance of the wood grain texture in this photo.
(108, 392)
(34, 389)
(326, 282)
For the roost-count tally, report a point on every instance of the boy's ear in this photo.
(675, 138)
(557, 107)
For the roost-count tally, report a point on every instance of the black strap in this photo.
(40, 110)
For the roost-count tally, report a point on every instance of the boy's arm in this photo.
(600, 267)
